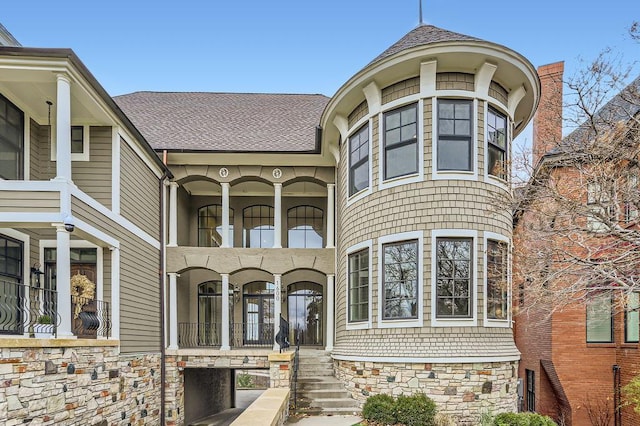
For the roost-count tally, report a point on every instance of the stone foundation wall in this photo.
(78, 385)
(279, 366)
(462, 391)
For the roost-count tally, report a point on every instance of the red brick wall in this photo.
(547, 123)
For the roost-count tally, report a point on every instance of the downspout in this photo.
(163, 368)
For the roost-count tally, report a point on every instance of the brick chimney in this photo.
(547, 123)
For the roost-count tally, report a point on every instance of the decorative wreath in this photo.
(83, 290)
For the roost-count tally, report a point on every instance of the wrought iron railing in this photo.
(192, 335)
(25, 309)
(296, 365)
(282, 338)
(91, 318)
(34, 311)
(256, 334)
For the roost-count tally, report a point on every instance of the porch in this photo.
(31, 311)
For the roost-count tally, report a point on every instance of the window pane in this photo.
(400, 285)
(392, 136)
(497, 284)
(359, 286)
(408, 115)
(360, 177)
(392, 120)
(359, 160)
(408, 132)
(445, 127)
(453, 277)
(77, 139)
(401, 161)
(445, 109)
(463, 110)
(632, 331)
(496, 164)
(463, 128)
(11, 140)
(454, 155)
(599, 320)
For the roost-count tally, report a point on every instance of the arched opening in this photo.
(208, 331)
(305, 225)
(258, 306)
(305, 313)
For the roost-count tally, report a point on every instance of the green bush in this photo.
(380, 408)
(522, 419)
(415, 410)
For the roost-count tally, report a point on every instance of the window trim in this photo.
(491, 322)
(86, 138)
(418, 176)
(351, 198)
(454, 174)
(530, 389)
(360, 325)
(611, 322)
(455, 322)
(396, 238)
(491, 178)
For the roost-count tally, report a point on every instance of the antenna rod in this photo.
(420, 11)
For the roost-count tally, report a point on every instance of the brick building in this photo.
(575, 360)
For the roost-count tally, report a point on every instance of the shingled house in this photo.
(362, 221)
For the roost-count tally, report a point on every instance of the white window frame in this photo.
(455, 322)
(44, 244)
(454, 174)
(394, 238)
(490, 322)
(78, 156)
(366, 191)
(409, 178)
(488, 177)
(360, 325)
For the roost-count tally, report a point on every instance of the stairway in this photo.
(319, 392)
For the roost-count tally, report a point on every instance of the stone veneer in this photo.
(76, 383)
(463, 391)
(279, 365)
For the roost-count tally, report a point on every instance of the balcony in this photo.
(32, 312)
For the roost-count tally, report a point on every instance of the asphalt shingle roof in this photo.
(197, 121)
(420, 36)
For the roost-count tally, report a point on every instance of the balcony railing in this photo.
(33, 311)
(91, 318)
(195, 335)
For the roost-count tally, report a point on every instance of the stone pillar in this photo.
(225, 313)
(63, 128)
(277, 308)
(225, 215)
(63, 281)
(331, 211)
(277, 216)
(173, 310)
(173, 214)
(330, 322)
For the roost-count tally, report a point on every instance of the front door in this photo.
(258, 313)
(305, 313)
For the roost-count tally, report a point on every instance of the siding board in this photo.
(94, 177)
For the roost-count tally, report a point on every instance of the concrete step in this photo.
(316, 394)
(318, 383)
(344, 411)
(314, 372)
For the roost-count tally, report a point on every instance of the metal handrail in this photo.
(26, 309)
(296, 363)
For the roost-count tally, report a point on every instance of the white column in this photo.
(63, 281)
(173, 214)
(63, 128)
(277, 216)
(277, 308)
(330, 322)
(115, 292)
(173, 310)
(331, 211)
(225, 215)
(225, 313)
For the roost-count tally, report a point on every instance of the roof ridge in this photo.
(220, 93)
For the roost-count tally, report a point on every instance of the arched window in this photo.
(209, 315)
(210, 226)
(258, 228)
(305, 225)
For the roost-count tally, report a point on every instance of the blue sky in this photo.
(301, 46)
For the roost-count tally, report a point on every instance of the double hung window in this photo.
(401, 142)
(455, 135)
(359, 160)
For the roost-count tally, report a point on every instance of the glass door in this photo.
(305, 313)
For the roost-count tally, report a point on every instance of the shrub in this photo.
(380, 408)
(415, 410)
(522, 419)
